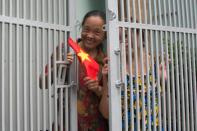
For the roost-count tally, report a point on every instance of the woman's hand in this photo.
(93, 85)
(105, 67)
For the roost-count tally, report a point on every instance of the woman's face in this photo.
(92, 32)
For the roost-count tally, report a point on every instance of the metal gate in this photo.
(168, 37)
(33, 35)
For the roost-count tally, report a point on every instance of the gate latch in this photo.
(119, 84)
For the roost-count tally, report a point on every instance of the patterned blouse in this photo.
(89, 116)
(154, 106)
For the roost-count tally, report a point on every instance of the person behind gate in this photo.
(136, 80)
(90, 91)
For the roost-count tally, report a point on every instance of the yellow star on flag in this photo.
(83, 56)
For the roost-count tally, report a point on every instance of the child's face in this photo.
(92, 32)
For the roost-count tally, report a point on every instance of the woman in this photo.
(90, 91)
(137, 85)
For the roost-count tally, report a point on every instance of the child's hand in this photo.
(92, 85)
(70, 58)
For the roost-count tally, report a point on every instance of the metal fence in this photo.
(162, 35)
(157, 37)
(33, 91)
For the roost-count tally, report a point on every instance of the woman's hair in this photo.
(99, 13)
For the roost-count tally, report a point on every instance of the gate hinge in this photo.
(111, 15)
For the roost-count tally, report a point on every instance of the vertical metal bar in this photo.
(152, 65)
(172, 67)
(65, 12)
(30, 77)
(178, 74)
(180, 108)
(160, 12)
(18, 117)
(136, 83)
(191, 111)
(172, 82)
(165, 10)
(187, 14)
(131, 82)
(55, 11)
(66, 109)
(134, 11)
(122, 11)
(145, 12)
(123, 77)
(163, 85)
(54, 77)
(49, 64)
(49, 78)
(3, 7)
(60, 12)
(38, 78)
(70, 19)
(173, 64)
(17, 76)
(3, 77)
(43, 79)
(139, 11)
(66, 102)
(162, 89)
(24, 68)
(179, 13)
(191, 12)
(158, 84)
(25, 77)
(10, 70)
(153, 82)
(178, 118)
(182, 82)
(168, 83)
(194, 80)
(142, 78)
(186, 82)
(30, 69)
(195, 14)
(183, 12)
(114, 102)
(158, 77)
(155, 11)
(43, 65)
(61, 90)
(146, 42)
(193, 69)
(128, 10)
(169, 11)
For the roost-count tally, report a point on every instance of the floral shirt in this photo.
(89, 116)
(154, 105)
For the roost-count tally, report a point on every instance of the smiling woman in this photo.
(90, 91)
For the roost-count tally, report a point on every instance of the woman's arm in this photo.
(104, 102)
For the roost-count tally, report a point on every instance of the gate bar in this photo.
(10, 73)
(3, 74)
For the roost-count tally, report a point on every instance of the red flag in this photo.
(91, 66)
